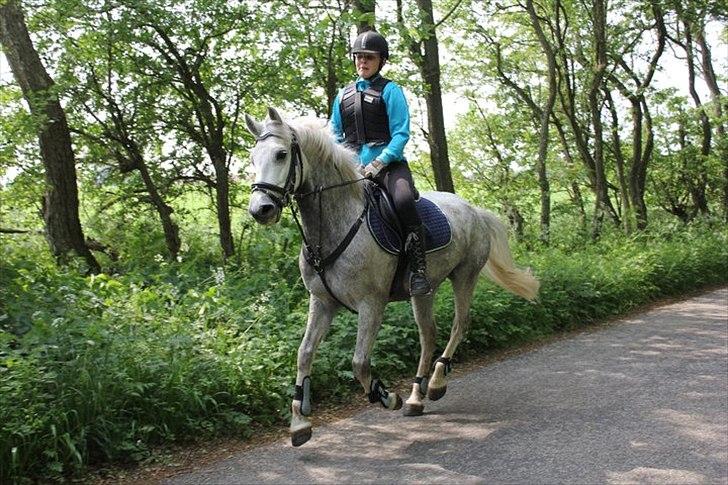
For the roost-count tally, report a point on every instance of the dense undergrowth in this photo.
(98, 369)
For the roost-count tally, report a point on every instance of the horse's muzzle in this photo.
(263, 209)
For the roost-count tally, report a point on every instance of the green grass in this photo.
(99, 369)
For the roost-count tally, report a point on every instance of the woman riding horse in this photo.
(371, 117)
(343, 266)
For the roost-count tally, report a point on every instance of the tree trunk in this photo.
(720, 107)
(543, 182)
(638, 172)
(429, 65)
(515, 219)
(116, 131)
(170, 228)
(222, 201)
(60, 204)
(599, 16)
(620, 165)
(698, 191)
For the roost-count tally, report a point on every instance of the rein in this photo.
(281, 196)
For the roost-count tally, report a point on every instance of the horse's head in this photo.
(276, 159)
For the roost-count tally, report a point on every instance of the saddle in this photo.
(388, 232)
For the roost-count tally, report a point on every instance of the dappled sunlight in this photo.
(655, 475)
(693, 427)
(388, 444)
(635, 403)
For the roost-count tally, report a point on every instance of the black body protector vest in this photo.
(364, 115)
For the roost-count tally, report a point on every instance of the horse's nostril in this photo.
(266, 209)
(264, 212)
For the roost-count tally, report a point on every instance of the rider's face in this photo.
(367, 64)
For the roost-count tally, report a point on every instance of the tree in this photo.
(545, 115)
(599, 19)
(60, 204)
(641, 117)
(204, 102)
(425, 53)
(318, 41)
(365, 13)
(122, 137)
(691, 16)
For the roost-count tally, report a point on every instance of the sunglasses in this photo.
(360, 56)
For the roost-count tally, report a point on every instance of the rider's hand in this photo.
(373, 169)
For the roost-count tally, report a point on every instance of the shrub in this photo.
(98, 369)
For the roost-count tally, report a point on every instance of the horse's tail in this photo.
(500, 266)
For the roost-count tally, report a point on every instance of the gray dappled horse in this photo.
(301, 161)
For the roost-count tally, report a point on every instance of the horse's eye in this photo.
(281, 155)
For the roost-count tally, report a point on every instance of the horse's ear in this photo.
(273, 115)
(254, 127)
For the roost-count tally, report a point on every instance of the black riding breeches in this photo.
(396, 178)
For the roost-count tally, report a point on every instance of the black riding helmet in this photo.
(371, 42)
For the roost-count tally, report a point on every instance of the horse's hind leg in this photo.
(463, 283)
(370, 320)
(320, 316)
(424, 316)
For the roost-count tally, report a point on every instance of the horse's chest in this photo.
(357, 272)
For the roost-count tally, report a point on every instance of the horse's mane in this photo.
(321, 147)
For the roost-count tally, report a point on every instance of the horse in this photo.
(301, 161)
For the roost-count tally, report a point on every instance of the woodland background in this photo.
(139, 303)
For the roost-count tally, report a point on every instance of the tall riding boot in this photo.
(415, 248)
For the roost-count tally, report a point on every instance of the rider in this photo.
(371, 117)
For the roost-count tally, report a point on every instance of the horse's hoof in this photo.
(300, 436)
(435, 393)
(413, 409)
(394, 402)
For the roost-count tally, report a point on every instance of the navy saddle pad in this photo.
(387, 233)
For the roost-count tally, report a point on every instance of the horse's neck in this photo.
(328, 215)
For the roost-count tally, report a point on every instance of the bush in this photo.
(98, 369)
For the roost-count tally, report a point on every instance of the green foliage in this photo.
(98, 369)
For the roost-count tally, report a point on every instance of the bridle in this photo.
(281, 197)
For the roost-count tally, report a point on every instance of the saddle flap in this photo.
(385, 227)
(383, 221)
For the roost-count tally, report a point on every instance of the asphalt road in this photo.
(641, 401)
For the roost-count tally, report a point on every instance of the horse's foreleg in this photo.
(320, 316)
(422, 307)
(463, 288)
(370, 320)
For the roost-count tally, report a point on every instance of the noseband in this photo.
(281, 196)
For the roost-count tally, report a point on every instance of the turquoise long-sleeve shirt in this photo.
(399, 124)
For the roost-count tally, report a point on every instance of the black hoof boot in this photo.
(388, 400)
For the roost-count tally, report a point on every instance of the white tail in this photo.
(500, 265)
